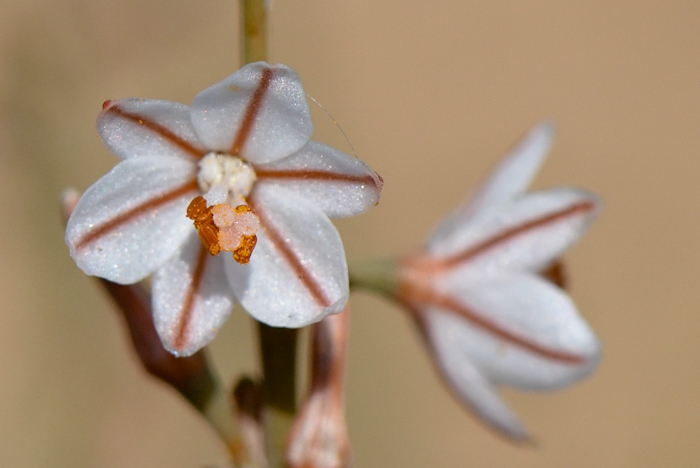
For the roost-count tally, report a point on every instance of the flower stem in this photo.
(191, 376)
(376, 275)
(218, 412)
(278, 346)
(319, 435)
(253, 31)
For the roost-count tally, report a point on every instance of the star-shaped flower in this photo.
(235, 172)
(479, 298)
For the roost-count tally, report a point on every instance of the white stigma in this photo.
(224, 178)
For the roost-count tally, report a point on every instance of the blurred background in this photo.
(430, 94)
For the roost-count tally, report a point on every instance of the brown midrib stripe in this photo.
(493, 328)
(251, 112)
(508, 234)
(317, 175)
(188, 304)
(302, 273)
(137, 211)
(159, 129)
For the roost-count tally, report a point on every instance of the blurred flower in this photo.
(234, 172)
(479, 298)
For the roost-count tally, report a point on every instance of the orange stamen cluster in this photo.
(221, 227)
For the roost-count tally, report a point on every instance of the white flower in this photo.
(240, 164)
(478, 296)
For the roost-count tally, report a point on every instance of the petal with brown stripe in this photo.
(339, 184)
(191, 298)
(259, 113)
(526, 234)
(517, 329)
(297, 274)
(132, 220)
(147, 127)
(514, 330)
(468, 384)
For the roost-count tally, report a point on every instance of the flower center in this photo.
(222, 178)
(221, 216)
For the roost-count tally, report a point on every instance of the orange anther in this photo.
(242, 253)
(204, 223)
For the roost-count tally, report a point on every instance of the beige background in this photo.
(430, 94)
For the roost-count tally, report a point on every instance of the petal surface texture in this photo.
(191, 298)
(259, 113)
(528, 233)
(144, 127)
(466, 381)
(340, 184)
(511, 177)
(297, 274)
(518, 329)
(133, 219)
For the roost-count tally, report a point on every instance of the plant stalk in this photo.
(253, 31)
(278, 346)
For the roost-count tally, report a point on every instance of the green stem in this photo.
(219, 413)
(253, 31)
(377, 275)
(278, 346)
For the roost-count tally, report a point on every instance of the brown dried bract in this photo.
(204, 223)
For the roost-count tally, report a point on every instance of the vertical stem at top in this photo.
(253, 31)
(278, 346)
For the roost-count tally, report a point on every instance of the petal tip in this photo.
(182, 352)
(546, 128)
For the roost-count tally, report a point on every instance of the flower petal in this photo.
(297, 274)
(146, 127)
(191, 298)
(259, 113)
(518, 329)
(466, 381)
(339, 184)
(510, 178)
(133, 219)
(528, 233)
(515, 172)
